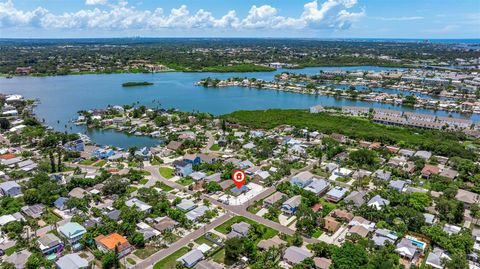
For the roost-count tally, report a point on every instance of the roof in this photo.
(430, 169)
(317, 186)
(466, 196)
(191, 257)
(322, 263)
(293, 201)
(214, 177)
(208, 265)
(337, 192)
(165, 224)
(49, 240)
(186, 205)
(435, 258)
(142, 206)
(77, 193)
(360, 230)
(6, 186)
(112, 240)
(296, 255)
(71, 261)
(356, 197)
(277, 196)
(268, 243)
(72, 229)
(241, 227)
(197, 212)
(397, 184)
(378, 201)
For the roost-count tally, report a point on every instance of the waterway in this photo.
(62, 97)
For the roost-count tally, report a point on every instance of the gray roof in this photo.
(114, 215)
(296, 255)
(377, 198)
(214, 177)
(382, 174)
(317, 186)
(356, 197)
(241, 227)
(191, 257)
(397, 184)
(19, 259)
(337, 192)
(429, 218)
(186, 205)
(208, 265)
(383, 235)
(49, 240)
(435, 257)
(293, 201)
(71, 261)
(6, 186)
(423, 154)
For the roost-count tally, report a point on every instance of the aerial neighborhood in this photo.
(313, 198)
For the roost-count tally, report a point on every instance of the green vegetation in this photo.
(143, 181)
(134, 84)
(100, 163)
(185, 181)
(166, 172)
(146, 252)
(163, 186)
(171, 261)
(9, 251)
(215, 147)
(443, 143)
(225, 227)
(87, 162)
(238, 68)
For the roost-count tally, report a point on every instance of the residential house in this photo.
(61, 203)
(383, 175)
(378, 202)
(467, 197)
(191, 258)
(423, 154)
(147, 231)
(77, 193)
(239, 230)
(18, 258)
(356, 198)
(186, 205)
(110, 242)
(336, 194)
(271, 242)
(192, 159)
(451, 229)
(295, 255)
(290, 206)
(197, 212)
(429, 218)
(436, 258)
(449, 173)
(302, 179)
(33, 211)
(165, 224)
(274, 198)
(331, 224)
(214, 177)
(197, 176)
(73, 232)
(317, 186)
(76, 145)
(322, 263)
(384, 235)
(174, 145)
(429, 170)
(140, 205)
(10, 188)
(50, 244)
(397, 185)
(339, 137)
(72, 261)
(183, 168)
(207, 158)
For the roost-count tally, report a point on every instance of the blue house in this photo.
(192, 158)
(183, 168)
(77, 145)
(302, 179)
(60, 203)
(290, 206)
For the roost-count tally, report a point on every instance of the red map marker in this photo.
(239, 177)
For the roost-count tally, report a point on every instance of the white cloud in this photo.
(331, 14)
(96, 2)
(403, 18)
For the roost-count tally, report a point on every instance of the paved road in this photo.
(158, 256)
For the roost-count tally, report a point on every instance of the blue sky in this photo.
(241, 18)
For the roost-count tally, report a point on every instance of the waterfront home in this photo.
(191, 258)
(103, 153)
(182, 168)
(295, 255)
(174, 145)
(139, 205)
(10, 188)
(73, 232)
(113, 242)
(317, 109)
(354, 110)
(72, 261)
(336, 194)
(50, 244)
(290, 206)
(378, 202)
(76, 145)
(143, 153)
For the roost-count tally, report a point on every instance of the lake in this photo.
(62, 97)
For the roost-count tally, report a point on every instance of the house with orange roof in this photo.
(107, 243)
(7, 156)
(429, 170)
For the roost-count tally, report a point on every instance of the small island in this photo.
(133, 84)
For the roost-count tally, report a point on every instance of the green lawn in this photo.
(203, 240)
(166, 172)
(163, 186)
(145, 252)
(131, 261)
(11, 250)
(223, 228)
(219, 256)
(131, 189)
(143, 181)
(170, 261)
(185, 181)
(87, 162)
(317, 233)
(215, 147)
(100, 163)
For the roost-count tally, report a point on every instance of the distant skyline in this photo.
(416, 19)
